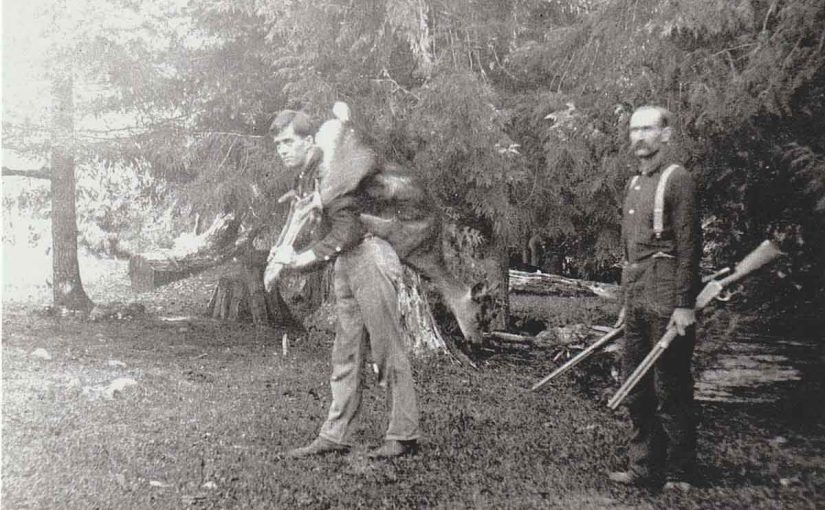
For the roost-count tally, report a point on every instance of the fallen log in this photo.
(191, 255)
(555, 285)
(553, 337)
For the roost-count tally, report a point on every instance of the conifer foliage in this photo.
(514, 113)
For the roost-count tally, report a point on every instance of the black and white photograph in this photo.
(403, 254)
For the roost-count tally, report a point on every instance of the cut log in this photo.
(551, 284)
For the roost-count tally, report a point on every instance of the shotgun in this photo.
(602, 341)
(763, 254)
(615, 333)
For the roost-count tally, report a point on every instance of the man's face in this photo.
(291, 147)
(647, 136)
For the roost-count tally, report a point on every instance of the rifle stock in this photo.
(763, 254)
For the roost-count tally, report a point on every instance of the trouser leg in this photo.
(374, 282)
(676, 413)
(347, 358)
(646, 448)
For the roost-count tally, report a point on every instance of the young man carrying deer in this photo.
(366, 274)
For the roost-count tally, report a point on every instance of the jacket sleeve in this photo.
(345, 227)
(687, 235)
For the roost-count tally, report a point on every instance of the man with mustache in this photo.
(661, 238)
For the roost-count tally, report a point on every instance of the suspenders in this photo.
(658, 200)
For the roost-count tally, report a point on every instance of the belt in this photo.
(657, 255)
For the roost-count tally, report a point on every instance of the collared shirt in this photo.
(309, 174)
(681, 237)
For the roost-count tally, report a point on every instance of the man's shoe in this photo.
(320, 446)
(394, 448)
(632, 478)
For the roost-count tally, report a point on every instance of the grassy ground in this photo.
(216, 405)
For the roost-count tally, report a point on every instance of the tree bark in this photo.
(67, 287)
(497, 268)
(421, 333)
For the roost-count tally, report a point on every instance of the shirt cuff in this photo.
(305, 258)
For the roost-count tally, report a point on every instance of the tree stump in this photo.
(241, 297)
(230, 299)
(421, 331)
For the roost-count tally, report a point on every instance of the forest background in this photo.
(514, 113)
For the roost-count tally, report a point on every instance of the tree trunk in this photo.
(67, 287)
(498, 274)
(536, 252)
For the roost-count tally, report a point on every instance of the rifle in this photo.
(615, 333)
(610, 335)
(763, 254)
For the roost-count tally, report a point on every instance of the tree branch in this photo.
(42, 173)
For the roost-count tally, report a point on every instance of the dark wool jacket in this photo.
(340, 227)
(681, 237)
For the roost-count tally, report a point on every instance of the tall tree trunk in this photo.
(497, 268)
(68, 289)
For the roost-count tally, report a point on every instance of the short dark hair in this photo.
(665, 117)
(301, 122)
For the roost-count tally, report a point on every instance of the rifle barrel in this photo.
(642, 369)
(763, 254)
(580, 357)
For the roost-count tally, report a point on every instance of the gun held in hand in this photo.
(615, 333)
(762, 255)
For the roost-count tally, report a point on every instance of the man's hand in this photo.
(682, 319)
